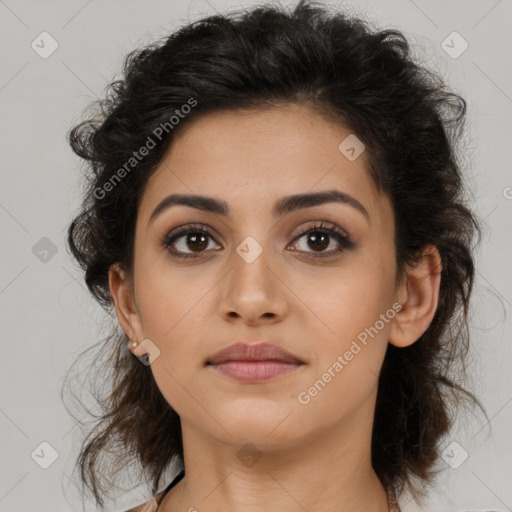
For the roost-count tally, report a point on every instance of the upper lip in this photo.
(253, 352)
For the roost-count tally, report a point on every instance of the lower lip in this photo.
(255, 371)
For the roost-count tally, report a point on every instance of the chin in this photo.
(263, 424)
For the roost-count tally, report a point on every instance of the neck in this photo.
(329, 471)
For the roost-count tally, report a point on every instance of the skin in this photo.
(313, 456)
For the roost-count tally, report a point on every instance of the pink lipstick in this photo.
(254, 363)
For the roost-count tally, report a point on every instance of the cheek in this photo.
(344, 303)
(349, 318)
(167, 299)
(348, 363)
(169, 319)
(336, 395)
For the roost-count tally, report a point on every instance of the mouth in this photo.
(254, 363)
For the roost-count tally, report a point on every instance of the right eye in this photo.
(191, 237)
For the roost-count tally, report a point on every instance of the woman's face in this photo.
(259, 276)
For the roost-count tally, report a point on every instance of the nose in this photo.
(253, 292)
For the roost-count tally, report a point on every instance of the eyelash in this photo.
(333, 231)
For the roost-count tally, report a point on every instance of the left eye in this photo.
(319, 237)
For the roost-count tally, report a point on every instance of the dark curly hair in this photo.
(349, 72)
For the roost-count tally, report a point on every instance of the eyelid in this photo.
(323, 225)
(193, 227)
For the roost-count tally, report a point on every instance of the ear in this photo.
(419, 294)
(121, 290)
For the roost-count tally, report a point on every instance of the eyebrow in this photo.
(282, 207)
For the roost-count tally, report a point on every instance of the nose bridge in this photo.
(252, 288)
(250, 260)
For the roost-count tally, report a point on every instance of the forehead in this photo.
(262, 155)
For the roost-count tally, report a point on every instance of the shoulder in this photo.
(149, 506)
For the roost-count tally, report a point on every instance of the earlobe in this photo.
(419, 296)
(126, 311)
(139, 348)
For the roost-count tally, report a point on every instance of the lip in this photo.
(254, 363)
(255, 371)
(253, 352)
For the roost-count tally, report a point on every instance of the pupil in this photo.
(193, 238)
(316, 238)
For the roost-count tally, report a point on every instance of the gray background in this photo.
(48, 317)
